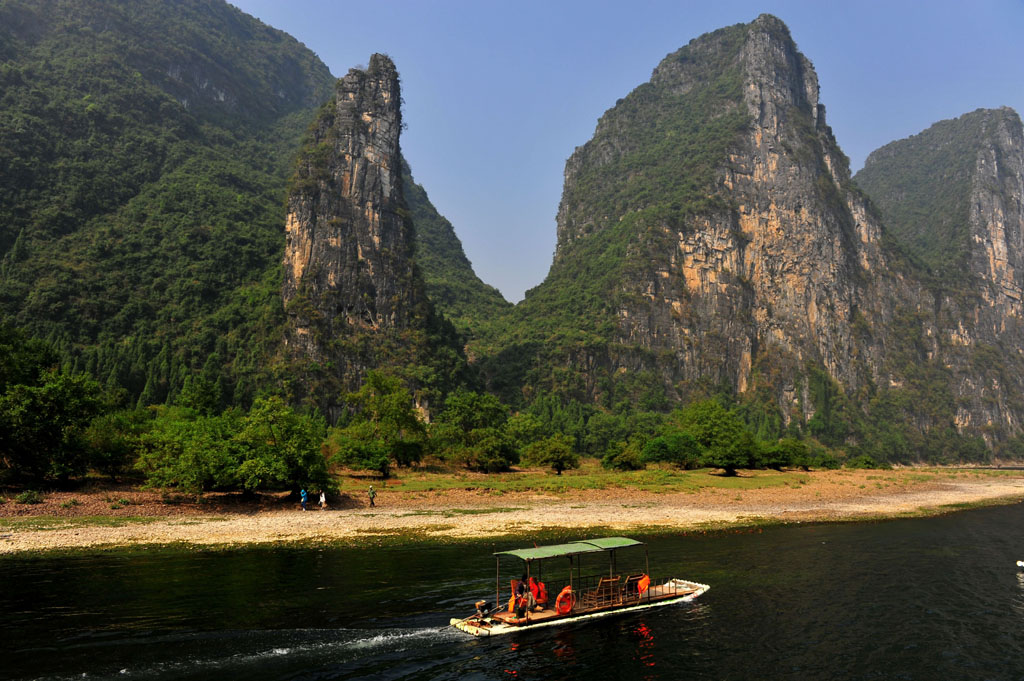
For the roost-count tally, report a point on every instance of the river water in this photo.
(937, 598)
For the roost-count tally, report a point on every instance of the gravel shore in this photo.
(148, 519)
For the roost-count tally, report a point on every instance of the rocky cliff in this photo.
(724, 210)
(349, 241)
(710, 237)
(353, 294)
(952, 197)
(786, 264)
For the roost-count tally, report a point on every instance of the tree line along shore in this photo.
(58, 427)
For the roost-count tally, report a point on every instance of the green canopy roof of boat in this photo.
(572, 548)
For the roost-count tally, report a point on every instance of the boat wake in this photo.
(259, 654)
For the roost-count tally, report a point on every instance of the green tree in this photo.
(283, 448)
(677, 448)
(23, 360)
(383, 427)
(200, 394)
(603, 429)
(488, 450)
(555, 451)
(625, 456)
(787, 452)
(469, 410)
(114, 439)
(356, 447)
(726, 442)
(524, 429)
(192, 453)
(472, 431)
(42, 428)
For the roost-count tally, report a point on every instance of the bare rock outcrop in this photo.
(353, 294)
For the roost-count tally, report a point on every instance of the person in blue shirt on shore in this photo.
(305, 498)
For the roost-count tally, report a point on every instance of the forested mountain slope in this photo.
(953, 199)
(154, 157)
(145, 151)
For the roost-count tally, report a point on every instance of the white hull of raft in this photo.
(497, 628)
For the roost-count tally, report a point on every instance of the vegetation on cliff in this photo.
(145, 148)
(922, 186)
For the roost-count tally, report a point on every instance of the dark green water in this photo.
(925, 599)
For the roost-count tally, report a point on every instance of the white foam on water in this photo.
(390, 636)
(318, 642)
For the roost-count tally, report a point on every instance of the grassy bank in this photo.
(592, 476)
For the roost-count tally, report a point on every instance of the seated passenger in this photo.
(522, 597)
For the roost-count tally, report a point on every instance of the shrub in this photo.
(677, 448)
(864, 462)
(624, 456)
(555, 452)
(29, 496)
(786, 452)
(491, 451)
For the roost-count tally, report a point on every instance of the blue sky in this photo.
(498, 94)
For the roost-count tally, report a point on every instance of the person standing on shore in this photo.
(372, 493)
(323, 500)
(303, 498)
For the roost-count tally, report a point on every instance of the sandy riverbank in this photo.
(823, 496)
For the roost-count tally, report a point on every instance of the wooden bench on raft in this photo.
(631, 588)
(606, 594)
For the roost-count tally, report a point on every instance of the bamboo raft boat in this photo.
(530, 604)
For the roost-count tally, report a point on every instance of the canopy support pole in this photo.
(528, 591)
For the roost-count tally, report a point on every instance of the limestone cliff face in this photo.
(993, 395)
(785, 259)
(996, 222)
(354, 297)
(348, 244)
(953, 195)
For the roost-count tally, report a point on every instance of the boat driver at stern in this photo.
(483, 609)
